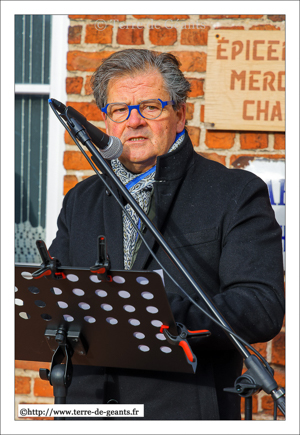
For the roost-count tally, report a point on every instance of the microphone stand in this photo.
(257, 377)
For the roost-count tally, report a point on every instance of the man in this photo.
(218, 221)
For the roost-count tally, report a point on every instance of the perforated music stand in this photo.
(109, 324)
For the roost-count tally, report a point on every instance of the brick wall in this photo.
(94, 37)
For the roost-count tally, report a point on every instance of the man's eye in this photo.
(119, 110)
(150, 108)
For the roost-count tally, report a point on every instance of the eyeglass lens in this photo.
(149, 109)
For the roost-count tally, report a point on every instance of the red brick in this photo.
(254, 17)
(279, 141)
(74, 85)
(189, 111)
(32, 365)
(42, 388)
(230, 28)
(278, 349)
(264, 27)
(194, 36)
(241, 161)
(191, 61)
(163, 17)
(75, 160)
(85, 61)
(196, 87)
(215, 157)
(254, 404)
(68, 139)
(87, 86)
(202, 109)
(130, 36)
(74, 35)
(261, 348)
(194, 133)
(276, 17)
(267, 404)
(93, 35)
(250, 141)
(89, 110)
(22, 385)
(69, 182)
(98, 17)
(279, 376)
(162, 36)
(219, 139)
(217, 17)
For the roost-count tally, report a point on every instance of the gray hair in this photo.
(133, 61)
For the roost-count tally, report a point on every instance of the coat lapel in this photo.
(164, 193)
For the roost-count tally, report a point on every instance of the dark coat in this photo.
(221, 225)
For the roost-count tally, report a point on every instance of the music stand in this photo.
(86, 321)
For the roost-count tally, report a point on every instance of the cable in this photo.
(271, 371)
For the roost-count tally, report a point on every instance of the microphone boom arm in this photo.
(260, 376)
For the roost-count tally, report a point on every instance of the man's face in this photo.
(143, 139)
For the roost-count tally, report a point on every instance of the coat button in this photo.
(107, 192)
(112, 402)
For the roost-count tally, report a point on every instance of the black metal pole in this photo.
(248, 408)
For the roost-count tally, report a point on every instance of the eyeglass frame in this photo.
(137, 107)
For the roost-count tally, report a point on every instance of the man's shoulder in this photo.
(88, 186)
(210, 169)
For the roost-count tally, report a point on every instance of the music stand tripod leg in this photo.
(60, 375)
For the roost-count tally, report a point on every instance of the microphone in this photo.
(110, 146)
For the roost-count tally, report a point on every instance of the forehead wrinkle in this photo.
(130, 86)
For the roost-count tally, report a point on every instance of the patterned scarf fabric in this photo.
(141, 188)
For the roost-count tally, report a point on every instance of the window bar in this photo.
(22, 161)
(30, 51)
(28, 163)
(23, 50)
(43, 50)
(40, 167)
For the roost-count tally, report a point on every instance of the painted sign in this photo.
(245, 80)
(272, 172)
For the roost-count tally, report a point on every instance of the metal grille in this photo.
(32, 66)
(32, 49)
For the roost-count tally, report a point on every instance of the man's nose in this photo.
(135, 119)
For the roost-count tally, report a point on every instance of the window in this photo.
(40, 70)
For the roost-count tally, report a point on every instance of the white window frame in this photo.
(56, 145)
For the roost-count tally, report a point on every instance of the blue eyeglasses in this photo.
(149, 109)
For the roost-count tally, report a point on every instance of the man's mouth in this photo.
(134, 139)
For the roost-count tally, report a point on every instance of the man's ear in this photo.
(181, 115)
(104, 117)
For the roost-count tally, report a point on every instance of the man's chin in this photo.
(137, 163)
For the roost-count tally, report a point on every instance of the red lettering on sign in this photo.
(252, 81)
(255, 44)
(265, 110)
(281, 74)
(237, 48)
(245, 107)
(276, 112)
(220, 49)
(236, 76)
(269, 78)
(271, 50)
